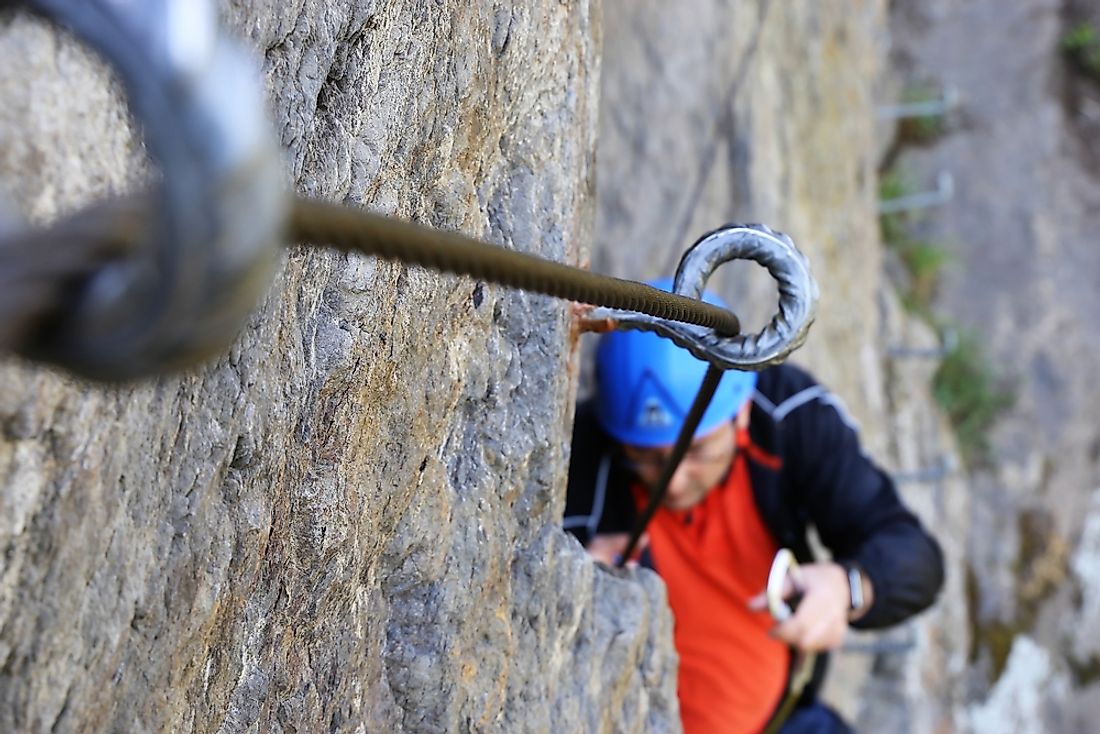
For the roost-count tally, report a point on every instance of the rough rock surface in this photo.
(348, 522)
(1021, 230)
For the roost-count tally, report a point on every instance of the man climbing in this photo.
(773, 455)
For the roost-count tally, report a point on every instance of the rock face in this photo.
(348, 523)
(1021, 230)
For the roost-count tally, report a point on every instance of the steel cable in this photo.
(361, 231)
(140, 286)
(41, 269)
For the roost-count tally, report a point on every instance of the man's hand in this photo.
(821, 619)
(608, 547)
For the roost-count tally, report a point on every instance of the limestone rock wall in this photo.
(347, 523)
(1021, 231)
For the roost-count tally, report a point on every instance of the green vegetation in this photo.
(1081, 36)
(965, 385)
(923, 260)
(1081, 45)
(972, 395)
(893, 184)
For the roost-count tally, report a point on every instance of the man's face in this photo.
(705, 464)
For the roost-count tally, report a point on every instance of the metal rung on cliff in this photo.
(945, 189)
(937, 107)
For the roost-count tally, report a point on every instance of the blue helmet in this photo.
(645, 385)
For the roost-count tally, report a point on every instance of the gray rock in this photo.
(347, 523)
(1024, 274)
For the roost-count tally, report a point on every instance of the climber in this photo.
(775, 453)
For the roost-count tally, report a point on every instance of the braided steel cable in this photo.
(135, 287)
(43, 270)
(207, 244)
(33, 273)
(373, 234)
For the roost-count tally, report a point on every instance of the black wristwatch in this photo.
(855, 587)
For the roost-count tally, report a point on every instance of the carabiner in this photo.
(211, 252)
(802, 662)
(787, 330)
(783, 564)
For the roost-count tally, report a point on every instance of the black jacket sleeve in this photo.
(858, 514)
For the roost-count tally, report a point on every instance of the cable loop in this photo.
(198, 265)
(144, 285)
(798, 294)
